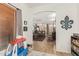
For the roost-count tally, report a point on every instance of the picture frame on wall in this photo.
(25, 28)
(25, 22)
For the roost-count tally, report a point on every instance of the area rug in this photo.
(38, 53)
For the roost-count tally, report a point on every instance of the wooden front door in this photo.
(7, 25)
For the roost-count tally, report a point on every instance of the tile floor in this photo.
(46, 47)
(38, 53)
(43, 48)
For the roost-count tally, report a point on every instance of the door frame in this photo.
(55, 23)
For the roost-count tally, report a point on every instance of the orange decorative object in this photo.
(18, 40)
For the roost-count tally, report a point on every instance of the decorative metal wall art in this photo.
(66, 23)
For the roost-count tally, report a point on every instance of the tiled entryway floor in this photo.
(48, 47)
(44, 46)
(38, 53)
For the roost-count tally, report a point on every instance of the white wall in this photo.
(78, 14)
(26, 16)
(63, 40)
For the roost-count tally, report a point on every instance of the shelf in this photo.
(75, 44)
(76, 53)
(73, 54)
(75, 38)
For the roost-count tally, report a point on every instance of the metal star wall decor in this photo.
(66, 23)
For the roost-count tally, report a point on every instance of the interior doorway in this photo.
(7, 25)
(44, 33)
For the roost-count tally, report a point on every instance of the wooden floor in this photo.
(47, 47)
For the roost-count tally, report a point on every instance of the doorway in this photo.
(7, 25)
(44, 33)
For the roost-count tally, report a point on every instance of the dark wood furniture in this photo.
(75, 45)
(39, 36)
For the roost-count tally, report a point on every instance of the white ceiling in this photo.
(44, 17)
(31, 5)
